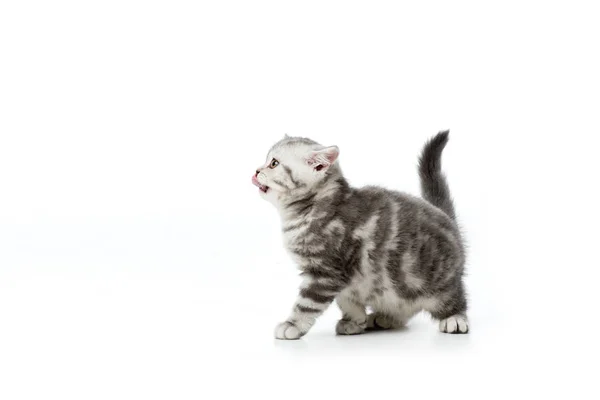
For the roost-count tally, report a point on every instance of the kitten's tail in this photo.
(434, 187)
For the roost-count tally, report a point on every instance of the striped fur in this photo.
(369, 247)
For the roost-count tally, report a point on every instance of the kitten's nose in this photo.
(257, 172)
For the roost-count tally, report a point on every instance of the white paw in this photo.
(379, 321)
(344, 327)
(455, 324)
(287, 331)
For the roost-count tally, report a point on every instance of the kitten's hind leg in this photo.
(354, 316)
(391, 317)
(451, 311)
(457, 323)
(377, 321)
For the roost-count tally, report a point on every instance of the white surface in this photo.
(137, 261)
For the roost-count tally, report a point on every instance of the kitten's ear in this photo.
(286, 136)
(323, 158)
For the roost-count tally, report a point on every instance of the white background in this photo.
(137, 261)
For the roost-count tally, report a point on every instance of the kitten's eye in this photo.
(274, 163)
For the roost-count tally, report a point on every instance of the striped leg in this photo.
(313, 300)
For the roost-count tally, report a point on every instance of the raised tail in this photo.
(434, 187)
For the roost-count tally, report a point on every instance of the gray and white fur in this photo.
(366, 248)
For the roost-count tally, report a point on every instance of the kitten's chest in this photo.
(303, 246)
(297, 236)
(302, 243)
(296, 231)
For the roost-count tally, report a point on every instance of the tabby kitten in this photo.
(369, 247)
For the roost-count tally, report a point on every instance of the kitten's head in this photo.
(295, 166)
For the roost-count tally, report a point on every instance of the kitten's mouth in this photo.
(263, 188)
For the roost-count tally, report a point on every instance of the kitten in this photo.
(370, 247)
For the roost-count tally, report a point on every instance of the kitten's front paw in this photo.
(287, 331)
(345, 327)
